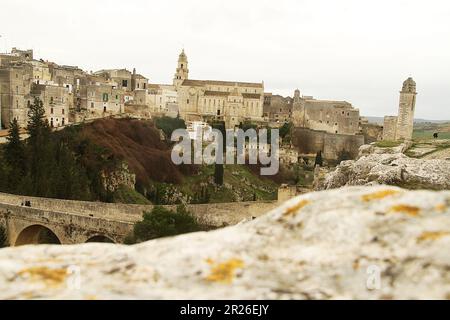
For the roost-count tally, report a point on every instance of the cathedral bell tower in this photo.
(182, 70)
(406, 110)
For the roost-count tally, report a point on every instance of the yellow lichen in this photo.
(51, 277)
(292, 211)
(441, 207)
(432, 235)
(379, 195)
(406, 209)
(224, 272)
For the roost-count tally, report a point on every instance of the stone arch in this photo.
(36, 234)
(99, 239)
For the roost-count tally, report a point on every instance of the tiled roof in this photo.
(189, 82)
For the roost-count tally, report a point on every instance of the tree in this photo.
(14, 157)
(40, 153)
(218, 174)
(319, 160)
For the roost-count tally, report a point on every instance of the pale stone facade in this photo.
(57, 102)
(231, 102)
(402, 126)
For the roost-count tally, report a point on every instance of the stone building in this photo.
(402, 126)
(15, 87)
(277, 109)
(57, 101)
(228, 101)
(338, 117)
(100, 99)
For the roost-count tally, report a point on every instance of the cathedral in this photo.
(227, 101)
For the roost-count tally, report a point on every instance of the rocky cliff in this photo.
(359, 242)
(392, 167)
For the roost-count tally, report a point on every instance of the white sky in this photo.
(355, 50)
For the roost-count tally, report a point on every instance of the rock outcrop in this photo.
(351, 243)
(391, 167)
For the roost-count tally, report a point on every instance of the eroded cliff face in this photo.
(120, 177)
(389, 166)
(359, 242)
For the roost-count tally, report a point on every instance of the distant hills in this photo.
(379, 120)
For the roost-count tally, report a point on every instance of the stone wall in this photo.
(390, 128)
(78, 221)
(371, 132)
(332, 145)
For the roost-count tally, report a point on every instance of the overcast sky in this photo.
(355, 50)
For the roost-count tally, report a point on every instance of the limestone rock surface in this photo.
(351, 243)
(391, 169)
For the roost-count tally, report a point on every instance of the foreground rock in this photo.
(325, 245)
(391, 167)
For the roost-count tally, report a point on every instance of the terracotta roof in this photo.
(189, 82)
(251, 96)
(217, 93)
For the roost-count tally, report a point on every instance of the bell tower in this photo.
(182, 72)
(407, 105)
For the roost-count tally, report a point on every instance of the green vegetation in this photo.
(425, 131)
(319, 160)
(285, 132)
(41, 166)
(387, 144)
(3, 237)
(239, 184)
(169, 125)
(161, 222)
(127, 195)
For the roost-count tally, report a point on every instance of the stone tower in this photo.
(297, 96)
(182, 70)
(405, 121)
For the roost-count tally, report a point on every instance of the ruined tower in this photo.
(182, 72)
(405, 121)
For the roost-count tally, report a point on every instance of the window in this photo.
(51, 122)
(104, 109)
(51, 99)
(117, 96)
(28, 103)
(63, 111)
(51, 110)
(125, 83)
(92, 105)
(62, 121)
(145, 86)
(17, 90)
(105, 97)
(187, 101)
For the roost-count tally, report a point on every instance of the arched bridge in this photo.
(31, 220)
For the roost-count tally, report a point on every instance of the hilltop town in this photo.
(71, 95)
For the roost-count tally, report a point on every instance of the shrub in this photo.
(161, 222)
(169, 125)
